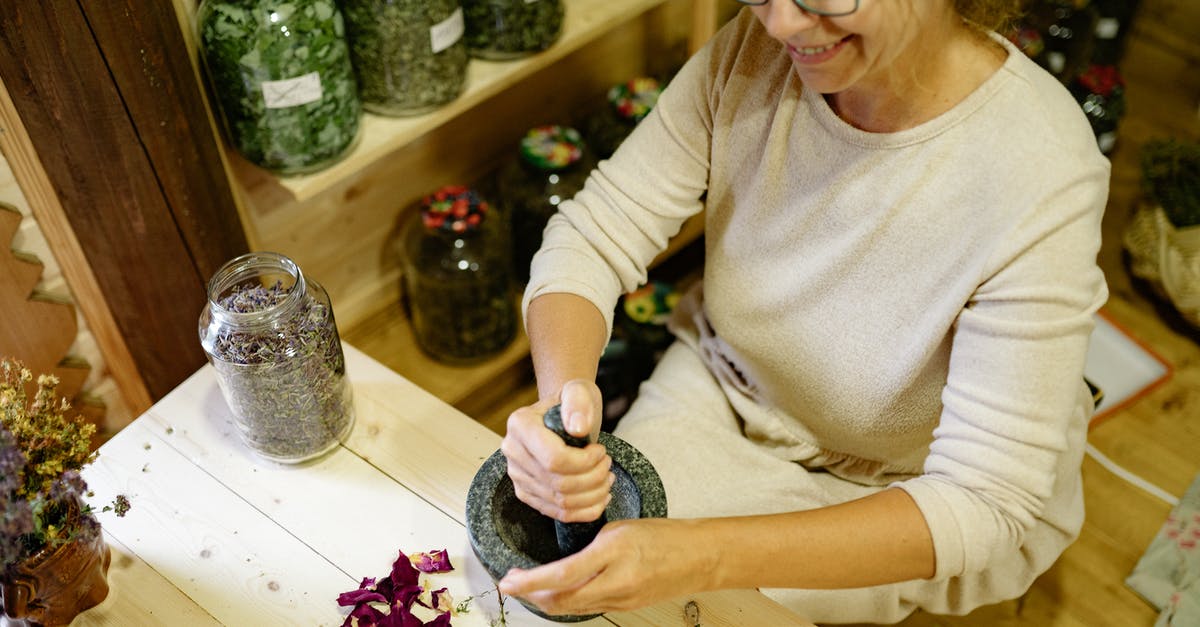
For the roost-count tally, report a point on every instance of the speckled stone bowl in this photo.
(506, 533)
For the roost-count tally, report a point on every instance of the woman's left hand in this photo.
(630, 564)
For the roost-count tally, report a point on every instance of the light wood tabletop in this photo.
(218, 536)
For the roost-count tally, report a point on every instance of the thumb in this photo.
(581, 408)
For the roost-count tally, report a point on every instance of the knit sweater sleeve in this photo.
(1014, 398)
(600, 244)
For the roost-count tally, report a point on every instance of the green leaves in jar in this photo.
(410, 55)
(504, 29)
(281, 73)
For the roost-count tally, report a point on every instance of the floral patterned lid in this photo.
(453, 209)
(552, 147)
(634, 98)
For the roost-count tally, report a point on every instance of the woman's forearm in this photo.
(874, 540)
(566, 339)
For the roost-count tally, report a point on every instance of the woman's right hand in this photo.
(565, 483)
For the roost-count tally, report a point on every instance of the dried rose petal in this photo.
(432, 562)
(441, 600)
(366, 592)
(365, 616)
(403, 572)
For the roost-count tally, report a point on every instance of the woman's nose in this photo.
(784, 18)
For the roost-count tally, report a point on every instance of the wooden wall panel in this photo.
(117, 134)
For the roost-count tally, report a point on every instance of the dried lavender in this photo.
(284, 378)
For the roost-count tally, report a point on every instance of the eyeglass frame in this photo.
(804, 5)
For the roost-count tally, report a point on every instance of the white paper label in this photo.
(292, 92)
(1107, 27)
(1057, 61)
(530, 1)
(447, 32)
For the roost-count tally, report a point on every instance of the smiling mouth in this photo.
(815, 51)
(806, 51)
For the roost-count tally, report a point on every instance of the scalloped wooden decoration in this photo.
(37, 330)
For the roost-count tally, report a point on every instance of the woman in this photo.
(875, 402)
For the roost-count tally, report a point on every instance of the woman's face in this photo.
(867, 49)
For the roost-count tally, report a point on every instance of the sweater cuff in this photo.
(949, 546)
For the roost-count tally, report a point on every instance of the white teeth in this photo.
(810, 51)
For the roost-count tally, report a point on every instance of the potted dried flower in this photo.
(54, 559)
(1163, 239)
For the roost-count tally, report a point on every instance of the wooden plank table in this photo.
(218, 536)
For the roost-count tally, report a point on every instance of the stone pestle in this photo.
(572, 537)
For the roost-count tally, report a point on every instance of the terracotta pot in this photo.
(53, 586)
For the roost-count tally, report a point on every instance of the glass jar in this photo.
(270, 334)
(458, 277)
(1068, 31)
(281, 75)
(552, 166)
(409, 55)
(507, 29)
(627, 104)
(1100, 90)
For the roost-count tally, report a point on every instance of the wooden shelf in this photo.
(477, 389)
(380, 136)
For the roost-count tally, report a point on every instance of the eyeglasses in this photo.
(828, 8)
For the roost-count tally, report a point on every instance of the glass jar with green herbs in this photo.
(409, 55)
(458, 276)
(270, 333)
(507, 29)
(552, 164)
(281, 75)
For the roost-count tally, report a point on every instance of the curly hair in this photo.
(990, 14)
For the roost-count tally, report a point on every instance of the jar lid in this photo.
(634, 98)
(552, 147)
(453, 209)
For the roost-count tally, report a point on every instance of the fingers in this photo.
(580, 409)
(568, 484)
(565, 503)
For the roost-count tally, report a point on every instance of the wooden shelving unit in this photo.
(339, 224)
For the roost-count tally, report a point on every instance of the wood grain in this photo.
(46, 208)
(63, 92)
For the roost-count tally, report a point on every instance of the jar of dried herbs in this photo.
(626, 104)
(281, 75)
(507, 29)
(270, 333)
(551, 166)
(458, 276)
(409, 55)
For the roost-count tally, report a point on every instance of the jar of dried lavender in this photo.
(508, 29)
(458, 276)
(409, 55)
(271, 336)
(552, 164)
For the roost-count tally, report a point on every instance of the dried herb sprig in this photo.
(42, 450)
(1171, 177)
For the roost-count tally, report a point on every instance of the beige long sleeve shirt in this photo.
(910, 308)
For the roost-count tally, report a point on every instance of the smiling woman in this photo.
(884, 357)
